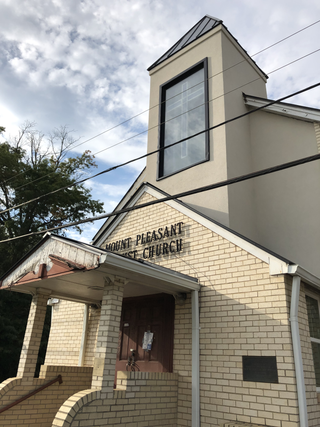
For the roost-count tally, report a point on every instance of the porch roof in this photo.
(67, 269)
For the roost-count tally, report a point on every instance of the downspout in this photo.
(84, 335)
(195, 380)
(302, 400)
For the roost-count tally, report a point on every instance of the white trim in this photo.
(133, 267)
(305, 275)
(294, 111)
(79, 245)
(120, 217)
(277, 266)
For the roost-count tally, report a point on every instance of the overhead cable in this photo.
(145, 111)
(220, 184)
(164, 148)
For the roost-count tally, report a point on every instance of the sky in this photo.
(83, 64)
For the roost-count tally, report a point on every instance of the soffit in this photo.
(63, 278)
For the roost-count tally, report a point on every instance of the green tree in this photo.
(32, 165)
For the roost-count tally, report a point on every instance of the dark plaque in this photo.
(261, 369)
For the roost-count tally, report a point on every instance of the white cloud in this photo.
(83, 63)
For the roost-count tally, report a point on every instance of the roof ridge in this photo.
(205, 24)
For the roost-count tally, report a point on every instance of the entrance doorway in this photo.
(142, 315)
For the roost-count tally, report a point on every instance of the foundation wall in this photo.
(40, 409)
(146, 399)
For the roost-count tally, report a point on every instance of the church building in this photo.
(196, 304)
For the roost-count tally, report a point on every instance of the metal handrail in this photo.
(32, 393)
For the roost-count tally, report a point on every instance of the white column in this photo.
(32, 337)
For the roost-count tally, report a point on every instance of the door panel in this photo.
(139, 315)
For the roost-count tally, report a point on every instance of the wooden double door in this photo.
(140, 315)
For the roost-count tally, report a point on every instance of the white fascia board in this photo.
(277, 266)
(306, 276)
(99, 236)
(85, 246)
(125, 264)
(296, 112)
(120, 217)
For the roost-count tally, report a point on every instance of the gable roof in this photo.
(68, 269)
(277, 263)
(205, 24)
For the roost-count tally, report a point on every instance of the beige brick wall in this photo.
(243, 311)
(40, 409)
(65, 334)
(310, 382)
(92, 333)
(149, 399)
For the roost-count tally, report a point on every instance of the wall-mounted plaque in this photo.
(261, 369)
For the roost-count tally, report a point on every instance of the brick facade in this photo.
(244, 311)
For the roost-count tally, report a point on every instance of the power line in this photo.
(165, 147)
(220, 184)
(224, 70)
(173, 118)
(135, 116)
(286, 38)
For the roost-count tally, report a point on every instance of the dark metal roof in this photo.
(205, 24)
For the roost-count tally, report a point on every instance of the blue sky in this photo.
(84, 64)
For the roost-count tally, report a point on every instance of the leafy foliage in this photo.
(32, 165)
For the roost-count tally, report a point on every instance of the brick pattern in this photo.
(65, 334)
(108, 335)
(307, 358)
(148, 399)
(243, 311)
(40, 409)
(92, 333)
(32, 337)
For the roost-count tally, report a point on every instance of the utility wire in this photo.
(286, 38)
(226, 69)
(165, 147)
(135, 116)
(173, 118)
(220, 184)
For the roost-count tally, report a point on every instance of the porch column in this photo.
(108, 335)
(32, 337)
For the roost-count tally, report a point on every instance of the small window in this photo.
(184, 112)
(314, 328)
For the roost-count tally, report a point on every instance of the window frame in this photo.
(203, 64)
(316, 297)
